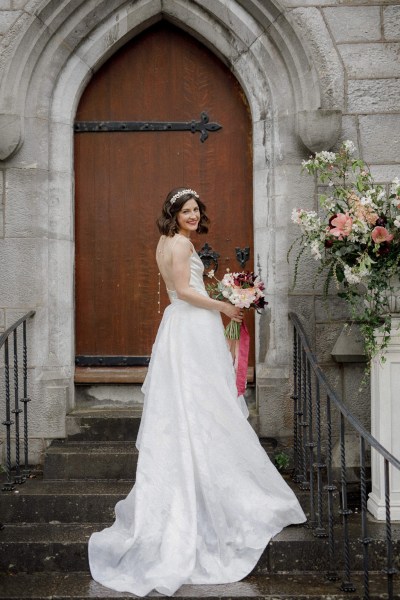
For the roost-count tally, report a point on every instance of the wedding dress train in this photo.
(207, 499)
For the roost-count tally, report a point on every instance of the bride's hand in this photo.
(233, 312)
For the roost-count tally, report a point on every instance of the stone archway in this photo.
(50, 65)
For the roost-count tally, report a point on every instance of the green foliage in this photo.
(282, 460)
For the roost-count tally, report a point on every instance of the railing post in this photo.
(320, 530)
(330, 488)
(18, 477)
(8, 485)
(347, 585)
(365, 540)
(299, 477)
(25, 400)
(295, 398)
(304, 485)
(311, 445)
(390, 568)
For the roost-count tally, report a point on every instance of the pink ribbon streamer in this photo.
(242, 359)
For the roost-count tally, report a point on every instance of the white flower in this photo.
(305, 163)
(381, 195)
(350, 275)
(325, 156)
(314, 247)
(349, 146)
(211, 273)
(396, 222)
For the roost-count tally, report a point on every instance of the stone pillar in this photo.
(385, 425)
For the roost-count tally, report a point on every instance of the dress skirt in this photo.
(207, 499)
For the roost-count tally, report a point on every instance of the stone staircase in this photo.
(48, 520)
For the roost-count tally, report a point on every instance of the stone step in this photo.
(103, 424)
(90, 460)
(80, 586)
(63, 547)
(72, 501)
(111, 395)
(78, 501)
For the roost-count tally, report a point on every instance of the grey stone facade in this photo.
(313, 72)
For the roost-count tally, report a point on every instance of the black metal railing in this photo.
(16, 348)
(314, 468)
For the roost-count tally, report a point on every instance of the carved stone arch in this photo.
(87, 33)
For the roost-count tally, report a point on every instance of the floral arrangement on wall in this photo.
(355, 236)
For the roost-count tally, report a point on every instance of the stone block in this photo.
(61, 147)
(380, 138)
(60, 205)
(385, 173)
(349, 132)
(371, 60)
(7, 19)
(391, 22)
(275, 408)
(308, 279)
(293, 188)
(26, 212)
(22, 266)
(354, 23)
(332, 308)
(311, 27)
(6, 5)
(326, 335)
(60, 301)
(373, 95)
(357, 393)
(2, 319)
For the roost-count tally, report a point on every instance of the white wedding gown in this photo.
(207, 499)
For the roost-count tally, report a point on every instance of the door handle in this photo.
(209, 256)
(242, 255)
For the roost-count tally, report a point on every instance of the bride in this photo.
(207, 499)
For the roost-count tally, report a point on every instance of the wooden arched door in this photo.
(122, 178)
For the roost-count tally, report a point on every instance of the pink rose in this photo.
(341, 225)
(381, 234)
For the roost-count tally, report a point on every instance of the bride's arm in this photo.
(181, 279)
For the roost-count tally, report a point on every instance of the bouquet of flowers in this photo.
(244, 290)
(355, 236)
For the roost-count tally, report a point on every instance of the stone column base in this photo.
(385, 425)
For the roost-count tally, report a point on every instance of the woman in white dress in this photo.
(207, 499)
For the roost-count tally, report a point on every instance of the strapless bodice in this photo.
(196, 277)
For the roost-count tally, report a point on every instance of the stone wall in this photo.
(299, 63)
(365, 36)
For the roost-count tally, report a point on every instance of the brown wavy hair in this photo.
(167, 222)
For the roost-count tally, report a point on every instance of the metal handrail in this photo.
(373, 442)
(14, 326)
(309, 464)
(4, 342)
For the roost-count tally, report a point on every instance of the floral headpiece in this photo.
(183, 193)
